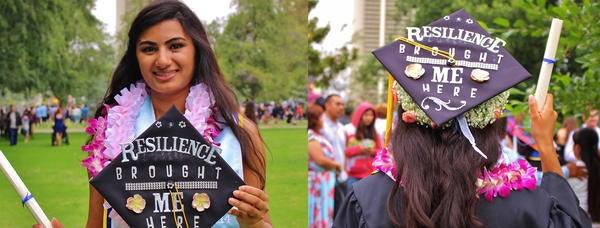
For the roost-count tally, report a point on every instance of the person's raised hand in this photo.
(543, 123)
(542, 129)
(251, 203)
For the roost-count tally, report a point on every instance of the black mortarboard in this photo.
(445, 89)
(173, 171)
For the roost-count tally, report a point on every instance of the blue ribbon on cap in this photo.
(551, 61)
(27, 198)
(464, 128)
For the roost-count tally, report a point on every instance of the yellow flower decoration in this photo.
(200, 201)
(136, 203)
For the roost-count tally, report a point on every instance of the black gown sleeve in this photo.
(349, 213)
(365, 205)
(565, 210)
(552, 204)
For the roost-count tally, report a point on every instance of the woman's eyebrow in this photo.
(166, 42)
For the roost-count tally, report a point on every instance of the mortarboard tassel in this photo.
(464, 128)
(390, 111)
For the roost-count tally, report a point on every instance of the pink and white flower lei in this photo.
(117, 125)
(499, 181)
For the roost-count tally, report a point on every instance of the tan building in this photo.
(367, 14)
(125, 6)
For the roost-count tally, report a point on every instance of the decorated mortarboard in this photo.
(451, 69)
(169, 176)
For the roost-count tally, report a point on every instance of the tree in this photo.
(320, 66)
(53, 45)
(258, 49)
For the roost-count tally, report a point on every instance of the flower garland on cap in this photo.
(116, 126)
(479, 116)
(499, 181)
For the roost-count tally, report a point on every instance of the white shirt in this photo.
(380, 126)
(334, 133)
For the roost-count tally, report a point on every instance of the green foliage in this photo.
(53, 45)
(325, 67)
(260, 49)
(524, 24)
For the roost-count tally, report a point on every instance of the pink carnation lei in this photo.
(499, 181)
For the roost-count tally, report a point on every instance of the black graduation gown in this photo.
(552, 204)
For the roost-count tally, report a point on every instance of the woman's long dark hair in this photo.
(587, 139)
(207, 71)
(438, 169)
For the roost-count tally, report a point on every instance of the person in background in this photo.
(3, 123)
(362, 143)
(59, 127)
(84, 113)
(13, 121)
(26, 121)
(589, 121)
(76, 114)
(250, 111)
(568, 125)
(345, 119)
(585, 148)
(333, 131)
(380, 121)
(322, 170)
(277, 113)
(299, 112)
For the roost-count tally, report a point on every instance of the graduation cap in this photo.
(168, 176)
(451, 66)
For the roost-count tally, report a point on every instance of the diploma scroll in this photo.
(548, 63)
(21, 189)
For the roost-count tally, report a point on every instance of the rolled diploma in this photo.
(546, 70)
(19, 186)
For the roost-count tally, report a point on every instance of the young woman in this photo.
(566, 129)
(362, 143)
(169, 61)
(586, 150)
(59, 127)
(26, 121)
(322, 170)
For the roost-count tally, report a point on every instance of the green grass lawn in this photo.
(54, 176)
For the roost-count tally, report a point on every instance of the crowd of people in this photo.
(270, 112)
(23, 120)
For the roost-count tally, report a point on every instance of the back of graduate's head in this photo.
(446, 131)
(438, 168)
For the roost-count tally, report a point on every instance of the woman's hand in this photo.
(55, 224)
(542, 129)
(337, 167)
(543, 123)
(252, 204)
(367, 151)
